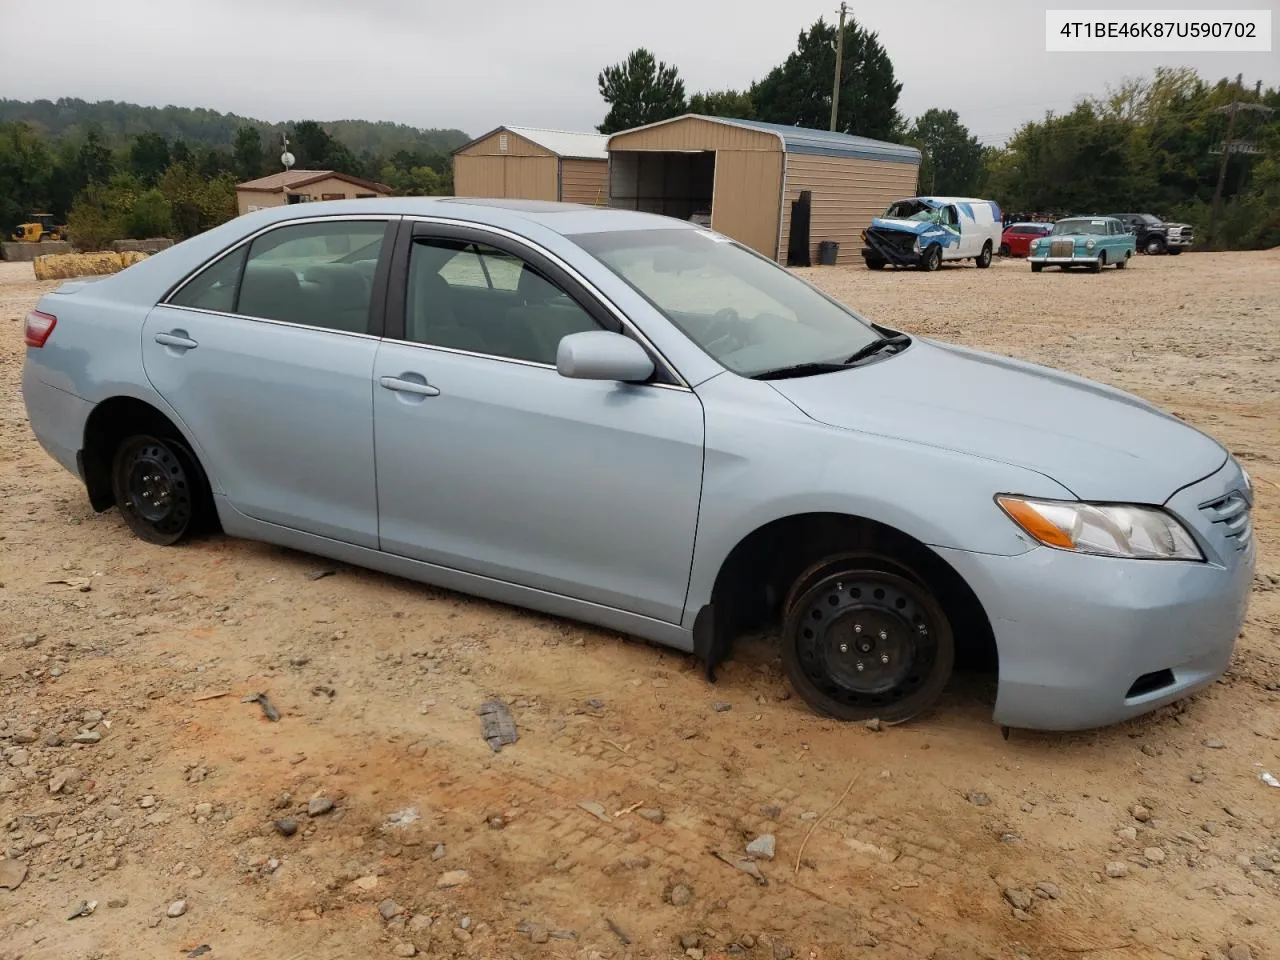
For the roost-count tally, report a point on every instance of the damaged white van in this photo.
(924, 231)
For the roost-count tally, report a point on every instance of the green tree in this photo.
(93, 160)
(798, 91)
(952, 158)
(150, 216)
(101, 211)
(735, 104)
(640, 90)
(180, 153)
(26, 172)
(310, 144)
(148, 157)
(197, 203)
(248, 153)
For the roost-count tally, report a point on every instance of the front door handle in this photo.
(176, 339)
(409, 386)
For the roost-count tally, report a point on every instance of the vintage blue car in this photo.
(1093, 242)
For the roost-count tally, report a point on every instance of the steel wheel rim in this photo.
(157, 489)
(879, 622)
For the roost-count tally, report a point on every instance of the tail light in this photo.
(39, 326)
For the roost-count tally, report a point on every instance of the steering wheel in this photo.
(725, 329)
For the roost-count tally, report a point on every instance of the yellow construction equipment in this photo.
(40, 227)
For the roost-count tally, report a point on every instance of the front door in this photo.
(491, 463)
(267, 356)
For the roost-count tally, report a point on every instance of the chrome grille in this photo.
(1231, 514)
(1062, 248)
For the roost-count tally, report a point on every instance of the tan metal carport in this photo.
(746, 175)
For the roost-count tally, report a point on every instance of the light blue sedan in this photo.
(638, 423)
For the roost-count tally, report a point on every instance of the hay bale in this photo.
(61, 266)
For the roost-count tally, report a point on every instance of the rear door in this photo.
(490, 462)
(267, 356)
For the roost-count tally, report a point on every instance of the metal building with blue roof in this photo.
(780, 190)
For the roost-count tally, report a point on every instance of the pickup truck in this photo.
(1156, 236)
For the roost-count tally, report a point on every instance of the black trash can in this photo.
(828, 250)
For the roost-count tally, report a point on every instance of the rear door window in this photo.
(318, 273)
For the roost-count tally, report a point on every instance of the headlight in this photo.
(1103, 529)
(916, 245)
(1248, 484)
(1090, 244)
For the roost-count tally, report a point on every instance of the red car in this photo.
(1017, 237)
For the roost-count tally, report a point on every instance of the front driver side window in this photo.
(473, 297)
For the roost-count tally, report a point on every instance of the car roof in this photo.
(563, 218)
(148, 280)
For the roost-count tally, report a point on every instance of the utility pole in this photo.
(1228, 147)
(835, 90)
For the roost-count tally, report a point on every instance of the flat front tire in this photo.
(866, 639)
(159, 488)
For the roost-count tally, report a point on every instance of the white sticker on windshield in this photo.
(715, 237)
(1098, 223)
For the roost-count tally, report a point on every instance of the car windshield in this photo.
(747, 312)
(1064, 228)
(910, 210)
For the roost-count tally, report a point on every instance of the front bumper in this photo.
(1087, 641)
(1076, 261)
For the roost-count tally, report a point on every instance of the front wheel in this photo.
(1037, 267)
(1174, 251)
(1154, 247)
(983, 260)
(158, 488)
(932, 259)
(873, 264)
(866, 639)
(1097, 265)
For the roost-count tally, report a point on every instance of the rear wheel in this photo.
(159, 488)
(1174, 251)
(1122, 262)
(865, 637)
(983, 260)
(1004, 250)
(1037, 267)
(932, 259)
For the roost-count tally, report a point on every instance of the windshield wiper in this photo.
(797, 370)
(875, 346)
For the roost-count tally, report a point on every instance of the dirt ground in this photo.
(1156, 838)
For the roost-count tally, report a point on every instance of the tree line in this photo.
(93, 169)
(1153, 145)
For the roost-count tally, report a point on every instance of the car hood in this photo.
(1099, 442)
(918, 227)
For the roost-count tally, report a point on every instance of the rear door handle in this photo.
(409, 386)
(176, 340)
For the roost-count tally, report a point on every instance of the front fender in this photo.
(766, 461)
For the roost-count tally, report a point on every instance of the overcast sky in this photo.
(475, 65)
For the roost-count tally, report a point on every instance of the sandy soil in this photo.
(1151, 839)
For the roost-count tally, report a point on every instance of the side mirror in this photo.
(602, 355)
